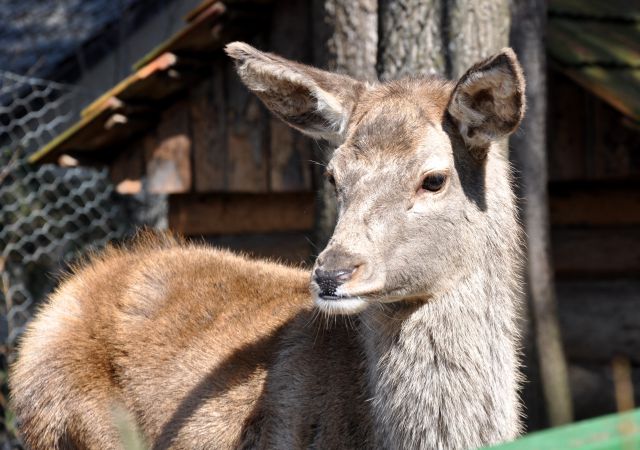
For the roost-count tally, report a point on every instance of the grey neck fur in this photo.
(444, 374)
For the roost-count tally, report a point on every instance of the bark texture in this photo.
(476, 30)
(412, 38)
(442, 37)
(347, 37)
(346, 41)
(529, 154)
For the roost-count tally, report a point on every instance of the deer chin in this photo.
(337, 305)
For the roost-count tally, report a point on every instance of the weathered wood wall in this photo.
(594, 168)
(229, 167)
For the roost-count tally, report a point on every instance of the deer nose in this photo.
(329, 280)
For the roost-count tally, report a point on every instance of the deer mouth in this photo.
(340, 305)
(335, 296)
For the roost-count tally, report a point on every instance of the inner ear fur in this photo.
(314, 101)
(488, 102)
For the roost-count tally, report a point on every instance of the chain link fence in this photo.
(49, 215)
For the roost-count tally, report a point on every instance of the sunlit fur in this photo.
(210, 350)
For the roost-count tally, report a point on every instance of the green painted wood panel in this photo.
(613, 432)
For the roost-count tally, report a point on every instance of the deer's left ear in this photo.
(314, 101)
(488, 102)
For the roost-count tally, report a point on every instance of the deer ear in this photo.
(488, 102)
(316, 102)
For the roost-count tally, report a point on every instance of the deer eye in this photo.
(433, 182)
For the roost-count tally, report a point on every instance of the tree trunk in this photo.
(412, 38)
(476, 30)
(346, 41)
(529, 155)
(441, 37)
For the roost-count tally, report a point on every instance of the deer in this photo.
(403, 335)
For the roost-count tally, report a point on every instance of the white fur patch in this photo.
(343, 306)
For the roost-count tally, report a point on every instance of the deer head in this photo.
(419, 182)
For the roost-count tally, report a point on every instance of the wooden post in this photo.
(529, 154)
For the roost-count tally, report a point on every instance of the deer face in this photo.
(408, 169)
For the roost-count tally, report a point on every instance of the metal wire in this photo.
(48, 215)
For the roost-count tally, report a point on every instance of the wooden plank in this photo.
(240, 213)
(587, 252)
(289, 169)
(615, 144)
(129, 164)
(208, 126)
(162, 63)
(168, 160)
(196, 36)
(59, 145)
(567, 136)
(290, 151)
(247, 139)
(198, 10)
(593, 204)
(159, 75)
(612, 432)
(600, 319)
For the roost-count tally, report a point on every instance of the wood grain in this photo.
(289, 168)
(168, 157)
(240, 213)
(208, 128)
(595, 204)
(247, 144)
(603, 251)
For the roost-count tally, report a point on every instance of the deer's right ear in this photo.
(316, 102)
(488, 102)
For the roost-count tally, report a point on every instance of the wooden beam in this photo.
(612, 432)
(161, 64)
(594, 205)
(196, 36)
(605, 251)
(240, 213)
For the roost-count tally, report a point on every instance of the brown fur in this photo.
(132, 313)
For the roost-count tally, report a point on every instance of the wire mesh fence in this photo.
(49, 215)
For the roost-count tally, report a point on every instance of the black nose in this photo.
(329, 280)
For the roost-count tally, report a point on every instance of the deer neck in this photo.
(443, 374)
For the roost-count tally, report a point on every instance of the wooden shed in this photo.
(183, 122)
